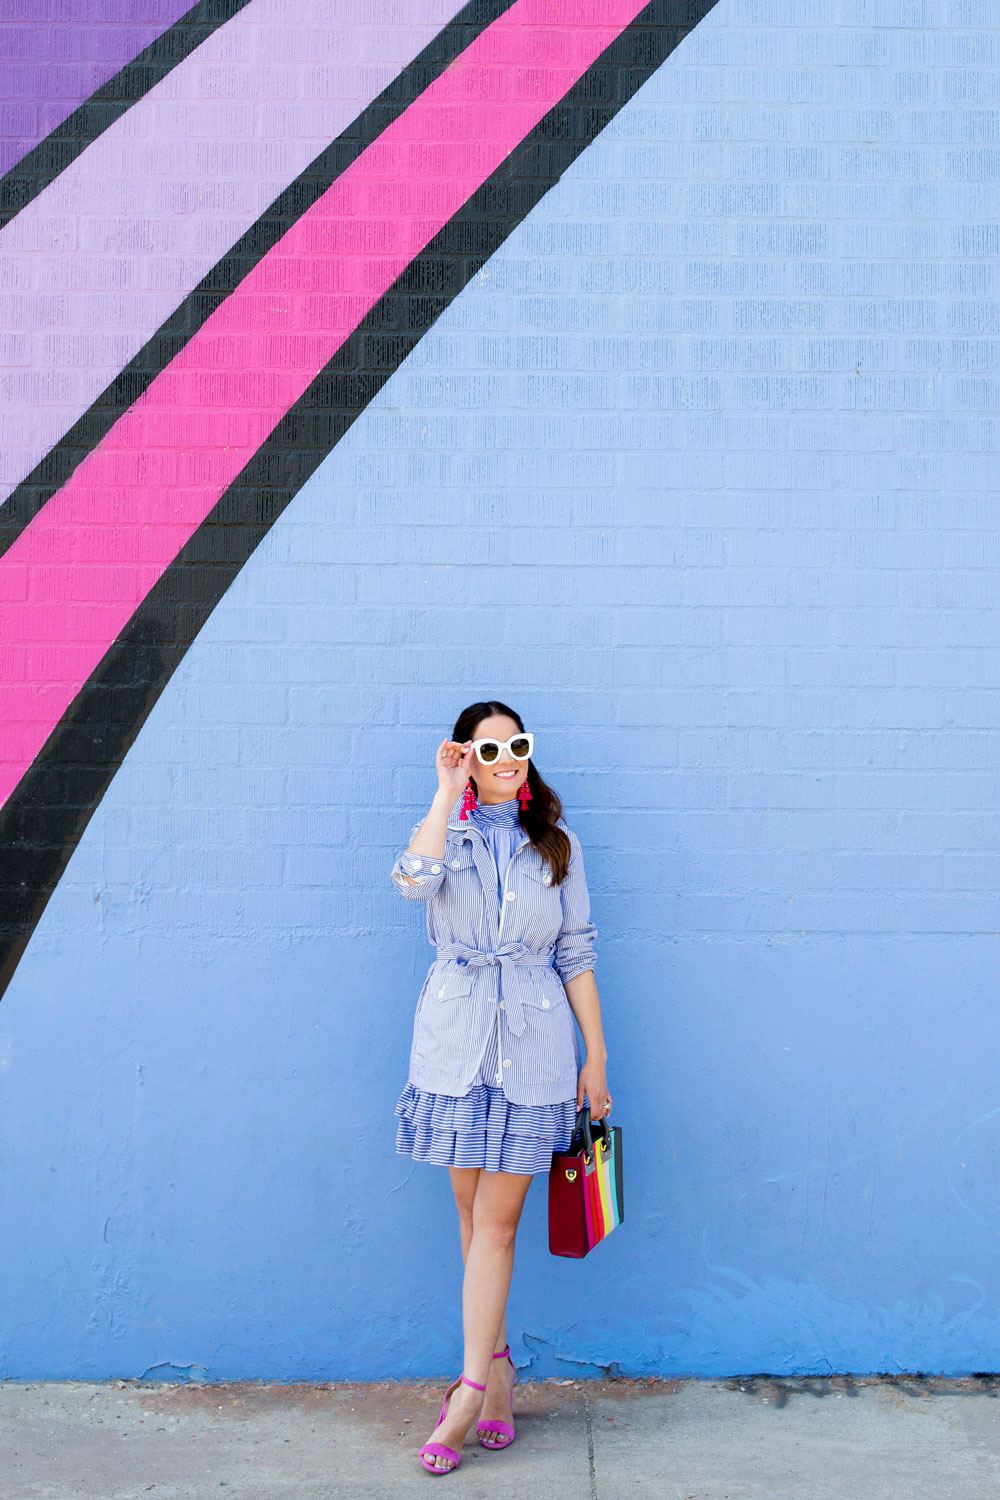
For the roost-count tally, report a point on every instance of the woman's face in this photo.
(500, 781)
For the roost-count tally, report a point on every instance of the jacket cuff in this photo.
(420, 865)
(571, 970)
(425, 873)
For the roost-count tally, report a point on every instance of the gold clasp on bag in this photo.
(570, 1174)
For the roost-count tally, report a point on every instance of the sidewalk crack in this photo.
(590, 1448)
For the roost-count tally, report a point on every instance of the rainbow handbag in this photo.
(586, 1190)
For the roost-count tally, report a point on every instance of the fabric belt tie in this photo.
(509, 953)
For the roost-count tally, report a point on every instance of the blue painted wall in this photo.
(701, 476)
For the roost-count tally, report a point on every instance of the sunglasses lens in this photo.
(489, 752)
(519, 748)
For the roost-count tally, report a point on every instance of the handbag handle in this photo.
(584, 1131)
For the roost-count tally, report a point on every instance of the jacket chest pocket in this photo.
(459, 857)
(460, 869)
(540, 901)
(539, 877)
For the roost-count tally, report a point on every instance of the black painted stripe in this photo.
(31, 175)
(51, 473)
(45, 818)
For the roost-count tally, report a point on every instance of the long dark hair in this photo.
(539, 818)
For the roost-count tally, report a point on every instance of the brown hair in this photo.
(539, 818)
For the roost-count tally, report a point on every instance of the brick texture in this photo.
(700, 474)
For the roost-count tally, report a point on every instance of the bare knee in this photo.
(465, 1217)
(496, 1229)
(497, 1208)
(464, 1183)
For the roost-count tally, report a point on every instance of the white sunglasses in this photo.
(489, 751)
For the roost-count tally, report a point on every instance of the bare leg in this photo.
(489, 1215)
(464, 1181)
(497, 1399)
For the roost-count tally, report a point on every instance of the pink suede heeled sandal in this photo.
(441, 1450)
(493, 1424)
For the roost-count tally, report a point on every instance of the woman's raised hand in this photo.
(452, 762)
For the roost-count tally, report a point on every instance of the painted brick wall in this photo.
(55, 54)
(700, 473)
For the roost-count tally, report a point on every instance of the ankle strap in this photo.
(473, 1382)
(502, 1353)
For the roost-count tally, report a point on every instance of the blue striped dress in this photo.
(482, 1128)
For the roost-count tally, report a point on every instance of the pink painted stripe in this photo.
(76, 575)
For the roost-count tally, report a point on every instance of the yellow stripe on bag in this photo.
(612, 1191)
(604, 1165)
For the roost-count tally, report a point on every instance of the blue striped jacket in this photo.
(500, 962)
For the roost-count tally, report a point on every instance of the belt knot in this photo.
(508, 953)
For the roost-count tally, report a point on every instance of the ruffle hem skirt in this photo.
(482, 1129)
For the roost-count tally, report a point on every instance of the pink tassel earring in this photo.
(468, 802)
(524, 793)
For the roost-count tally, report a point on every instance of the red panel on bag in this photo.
(567, 1226)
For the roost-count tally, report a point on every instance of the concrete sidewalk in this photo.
(752, 1439)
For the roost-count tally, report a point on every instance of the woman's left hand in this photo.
(593, 1081)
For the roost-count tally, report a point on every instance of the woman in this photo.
(495, 1076)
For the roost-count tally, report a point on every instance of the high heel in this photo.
(441, 1450)
(493, 1424)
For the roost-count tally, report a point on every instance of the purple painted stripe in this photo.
(55, 53)
(97, 262)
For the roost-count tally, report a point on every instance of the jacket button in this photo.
(510, 895)
(418, 864)
(502, 1006)
(499, 1078)
(545, 1005)
(506, 1062)
(546, 879)
(440, 994)
(454, 864)
(435, 869)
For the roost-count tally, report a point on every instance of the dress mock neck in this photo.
(498, 812)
